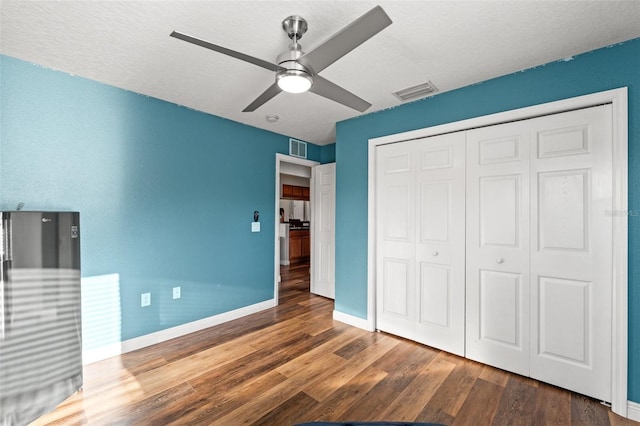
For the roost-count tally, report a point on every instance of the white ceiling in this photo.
(452, 43)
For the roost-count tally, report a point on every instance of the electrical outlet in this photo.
(176, 293)
(145, 299)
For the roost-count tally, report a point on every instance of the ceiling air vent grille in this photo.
(416, 92)
(297, 148)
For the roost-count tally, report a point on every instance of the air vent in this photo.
(297, 148)
(416, 92)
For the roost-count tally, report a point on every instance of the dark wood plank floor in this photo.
(293, 364)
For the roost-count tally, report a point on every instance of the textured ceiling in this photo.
(452, 43)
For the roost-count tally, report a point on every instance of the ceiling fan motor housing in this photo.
(291, 67)
(289, 59)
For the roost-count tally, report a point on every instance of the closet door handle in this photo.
(435, 253)
(499, 260)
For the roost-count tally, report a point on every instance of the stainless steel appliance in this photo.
(284, 244)
(40, 324)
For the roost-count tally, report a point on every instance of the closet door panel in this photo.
(440, 253)
(572, 250)
(420, 204)
(497, 251)
(397, 287)
(566, 302)
(563, 216)
(499, 205)
(396, 237)
(435, 295)
(435, 207)
(501, 305)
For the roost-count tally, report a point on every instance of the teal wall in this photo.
(328, 153)
(166, 194)
(596, 71)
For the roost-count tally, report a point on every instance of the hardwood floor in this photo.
(293, 364)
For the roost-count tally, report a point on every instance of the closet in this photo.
(495, 243)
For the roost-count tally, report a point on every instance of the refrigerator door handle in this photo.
(4, 305)
(5, 249)
(5, 261)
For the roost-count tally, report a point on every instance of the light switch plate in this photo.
(176, 293)
(145, 299)
(255, 226)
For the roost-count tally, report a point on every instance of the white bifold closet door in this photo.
(498, 215)
(539, 248)
(420, 232)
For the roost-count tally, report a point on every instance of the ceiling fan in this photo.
(297, 71)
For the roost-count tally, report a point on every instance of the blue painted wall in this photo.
(328, 153)
(166, 194)
(596, 71)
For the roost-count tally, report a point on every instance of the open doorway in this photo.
(294, 232)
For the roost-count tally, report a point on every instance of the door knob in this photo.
(435, 253)
(499, 260)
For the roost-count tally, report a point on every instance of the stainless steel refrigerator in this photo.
(40, 324)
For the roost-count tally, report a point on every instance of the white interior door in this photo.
(571, 248)
(323, 222)
(497, 292)
(420, 240)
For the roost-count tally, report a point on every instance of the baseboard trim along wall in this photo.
(353, 321)
(633, 411)
(116, 349)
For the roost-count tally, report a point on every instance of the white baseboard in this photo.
(115, 349)
(103, 352)
(633, 411)
(353, 320)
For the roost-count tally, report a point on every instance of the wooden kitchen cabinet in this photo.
(306, 245)
(287, 191)
(299, 245)
(294, 192)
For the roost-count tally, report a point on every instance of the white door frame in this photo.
(282, 158)
(618, 99)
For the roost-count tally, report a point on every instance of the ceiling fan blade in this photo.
(347, 39)
(225, 51)
(267, 95)
(323, 87)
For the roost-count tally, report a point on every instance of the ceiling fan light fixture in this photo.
(294, 81)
